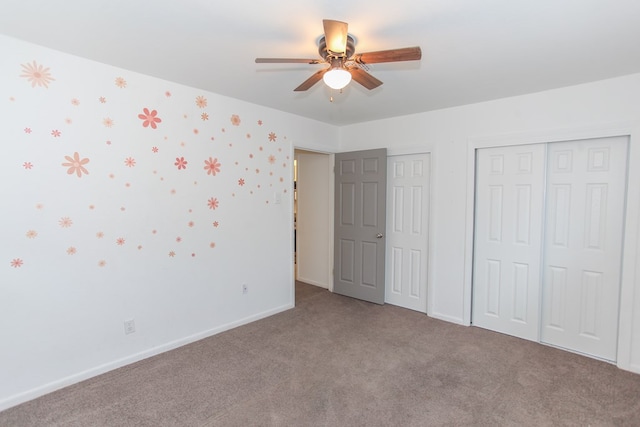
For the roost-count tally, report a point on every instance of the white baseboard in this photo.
(447, 318)
(110, 366)
(312, 282)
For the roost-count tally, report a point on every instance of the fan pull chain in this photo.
(331, 96)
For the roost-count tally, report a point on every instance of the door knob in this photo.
(379, 236)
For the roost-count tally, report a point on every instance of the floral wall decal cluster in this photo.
(100, 224)
(179, 132)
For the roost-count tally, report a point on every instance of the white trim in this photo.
(447, 318)
(98, 370)
(313, 282)
(424, 149)
(292, 234)
(630, 283)
(330, 215)
(628, 293)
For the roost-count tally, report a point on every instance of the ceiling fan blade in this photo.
(315, 78)
(392, 55)
(364, 78)
(335, 35)
(287, 61)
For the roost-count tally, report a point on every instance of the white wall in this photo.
(66, 291)
(591, 110)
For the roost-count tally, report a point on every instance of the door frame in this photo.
(329, 211)
(629, 276)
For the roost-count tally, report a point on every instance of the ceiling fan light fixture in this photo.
(337, 78)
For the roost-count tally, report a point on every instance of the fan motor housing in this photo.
(324, 53)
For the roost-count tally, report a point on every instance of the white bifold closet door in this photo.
(583, 245)
(548, 242)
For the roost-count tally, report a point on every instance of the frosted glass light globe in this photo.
(337, 78)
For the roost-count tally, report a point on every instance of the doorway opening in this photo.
(313, 218)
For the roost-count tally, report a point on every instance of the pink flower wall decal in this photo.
(27, 165)
(16, 262)
(272, 137)
(181, 163)
(212, 166)
(65, 222)
(201, 101)
(213, 203)
(120, 241)
(36, 74)
(235, 120)
(149, 118)
(76, 165)
(121, 83)
(56, 133)
(129, 161)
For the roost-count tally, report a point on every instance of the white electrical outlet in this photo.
(245, 288)
(129, 326)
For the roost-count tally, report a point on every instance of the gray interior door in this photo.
(360, 219)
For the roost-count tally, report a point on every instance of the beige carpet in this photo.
(336, 361)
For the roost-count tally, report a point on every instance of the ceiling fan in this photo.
(337, 48)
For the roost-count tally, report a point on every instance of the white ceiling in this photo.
(473, 50)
